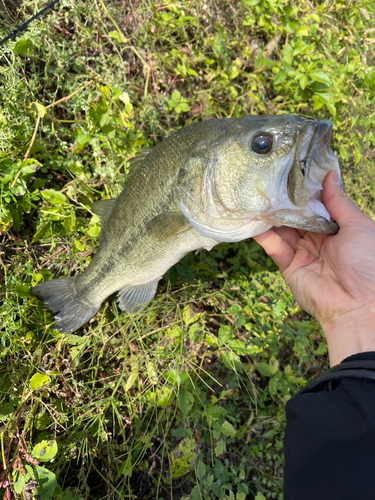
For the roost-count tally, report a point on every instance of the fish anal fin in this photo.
(134, 298)
(169, 224)
(102, 208)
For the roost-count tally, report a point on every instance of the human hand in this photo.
(332, 277)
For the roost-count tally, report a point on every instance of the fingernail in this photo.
(336, 179)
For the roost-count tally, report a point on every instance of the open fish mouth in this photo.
(313, 160)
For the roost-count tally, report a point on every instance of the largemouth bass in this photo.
(214, 181)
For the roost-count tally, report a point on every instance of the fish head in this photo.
(263, 171)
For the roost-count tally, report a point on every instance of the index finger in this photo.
(277, 248)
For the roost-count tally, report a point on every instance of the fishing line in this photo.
(23, 26)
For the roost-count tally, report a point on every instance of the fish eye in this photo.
(262, 144)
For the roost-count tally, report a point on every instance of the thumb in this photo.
(340, 207)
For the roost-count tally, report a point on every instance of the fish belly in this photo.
(143, 267)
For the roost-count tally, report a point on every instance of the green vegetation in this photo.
(184, 400)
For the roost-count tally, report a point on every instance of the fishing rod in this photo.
(24, 25)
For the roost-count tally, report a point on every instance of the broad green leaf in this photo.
(124, 97)
(132, 378)
(21, 46)
(332, 108)
(42, 420)
(225, 334)
(6, 410)
(317, 102)
(40, 108)
(259, 496)
(104, 89)
(220, 447)
(270, 434)
(70, 222)
(38, 380)
(231, 360)
(43, 232)
(164, 397)
(211, 339)
(303, 82)
(183, 458)
(70, 494)
(238, 346)
(126, 467)
(83, 138)
(320, 76)
(241, 495)
(47, 483)
(151, 373)
(185, 401)
(94, 230)
(184, 107)
(54, 197)
(303, 30)
(235, 309)
(117, 36)
(29, 166)
(273, 386)
(216, 410)
(72, 339)
(369, 80)
(274, 365)
(176, 95)
(264, 369)
(201, 470)
(279, 309)
(195, 494)
(343, 153)
(45, 451)
(227, 429)
(19, 484)
(251, 3)
(23, 290)
(280, 77)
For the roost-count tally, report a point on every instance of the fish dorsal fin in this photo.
(169, 224)
(134, 298)
(102, 208)
(135, 162)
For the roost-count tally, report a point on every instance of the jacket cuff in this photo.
(357, 366)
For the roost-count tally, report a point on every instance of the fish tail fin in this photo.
(60, 296)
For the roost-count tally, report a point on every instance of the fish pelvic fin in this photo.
(60, 296)
(134, 298)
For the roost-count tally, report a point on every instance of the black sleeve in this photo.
(330, 435)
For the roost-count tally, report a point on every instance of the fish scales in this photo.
(217, 180)
(126, 229)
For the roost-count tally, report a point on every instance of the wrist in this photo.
(351, 333)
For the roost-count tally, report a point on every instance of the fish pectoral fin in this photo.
(169, 224)
(134, 298)
(102, 208)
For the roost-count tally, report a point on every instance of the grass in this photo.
(185, 399)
